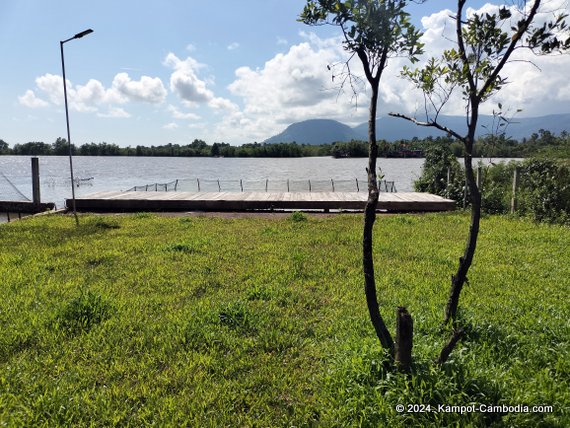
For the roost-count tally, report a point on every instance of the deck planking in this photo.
(243, 201)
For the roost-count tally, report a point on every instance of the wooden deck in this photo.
(236, 201)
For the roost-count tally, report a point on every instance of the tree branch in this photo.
(429, 124)
(461, 44)
(515, 39)
(446, 351)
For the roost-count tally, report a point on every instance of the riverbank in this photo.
(140, 319)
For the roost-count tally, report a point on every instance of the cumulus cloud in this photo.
(292, 86)
(170, 125)
(296, 85)
(147, 89)
(93, 95)
(535, 83)
(30, 100)
(233, 46)
(193, 91)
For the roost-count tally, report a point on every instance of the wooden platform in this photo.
(236, 201)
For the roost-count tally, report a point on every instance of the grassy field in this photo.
(140, 320)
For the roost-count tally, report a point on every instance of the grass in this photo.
(141, 320)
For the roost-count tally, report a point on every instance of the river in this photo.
(96, 174)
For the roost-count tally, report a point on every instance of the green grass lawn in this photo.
(141, 320)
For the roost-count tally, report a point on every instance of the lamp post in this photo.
(77, 36)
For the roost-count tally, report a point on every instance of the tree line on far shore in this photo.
(541, 143)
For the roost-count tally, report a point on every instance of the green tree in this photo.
(60, 147)
(4, 148)
(485, 43)
(439, 161)
(374, 31)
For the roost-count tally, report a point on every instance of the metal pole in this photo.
(73, 205)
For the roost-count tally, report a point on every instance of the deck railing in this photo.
(241, 185)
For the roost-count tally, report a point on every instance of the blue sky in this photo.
(226, 70)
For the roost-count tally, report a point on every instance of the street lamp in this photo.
(77, 36)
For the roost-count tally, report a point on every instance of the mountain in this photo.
(314, 132)
(323, 131)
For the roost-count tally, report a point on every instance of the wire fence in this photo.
(9, 191)
(216, 185)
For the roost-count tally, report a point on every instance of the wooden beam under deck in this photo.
(244, 201)
(27, 207)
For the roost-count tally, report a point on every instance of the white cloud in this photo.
(193, 91)
(52, 86)
(93, 95)
(536, 92)
(291, 87)
(30, 100)
(282, 41)
(177, 114)
(233, 46)
(190, 47)
(115, 112)
(170, 125)
(147, 89)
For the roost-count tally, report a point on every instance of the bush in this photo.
(497, 185)
(545, 190)
(440, 159)
(298, 216)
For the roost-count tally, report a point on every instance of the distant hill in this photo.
(324, 131)
(314, 132)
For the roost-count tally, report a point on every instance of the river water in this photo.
(96, 174)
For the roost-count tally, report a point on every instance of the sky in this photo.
(154, 73)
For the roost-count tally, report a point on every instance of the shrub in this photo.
(545, 190)
(440, 159)
(298, 216)
(543, 193)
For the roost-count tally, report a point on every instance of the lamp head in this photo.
(83, 33)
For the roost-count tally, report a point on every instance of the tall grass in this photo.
(142, 320)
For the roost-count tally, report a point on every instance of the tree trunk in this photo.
(369, 219)
(465, 261)
(404, 338)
